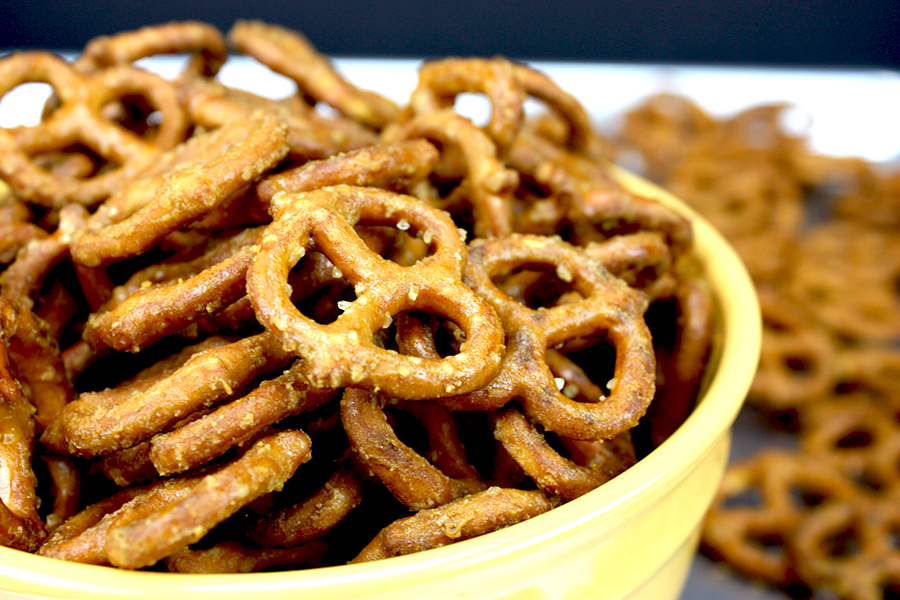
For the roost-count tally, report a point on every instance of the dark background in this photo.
(754, 32)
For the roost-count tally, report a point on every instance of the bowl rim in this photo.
(741, 332)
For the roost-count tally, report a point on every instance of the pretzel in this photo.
(204, 41)
(554, 473)
(310, 135)
(234, 423)
(105, 422)
(753, 535)
(263, 468)
(662, 128)
(174, 303)
(682, 361)
(22, 527)
(233, 557)
(66, 483)
(303, 523)
(609, 310)
(340, 354)
(798, 364)
(593, 206)
(259, 144)
(487, 186)
(471, 516)
(23, 278)
(396, 166)
(79, 120)
(873, 368)
(290, 54)
(849, 548)
(409, 476)
(38, 363)
(751, 200)
(833, 274)
(441, 81)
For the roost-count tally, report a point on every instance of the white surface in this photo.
(842, 112)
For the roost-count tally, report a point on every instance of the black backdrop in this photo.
(759, 32)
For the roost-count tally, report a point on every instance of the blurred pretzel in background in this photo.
(818, 235)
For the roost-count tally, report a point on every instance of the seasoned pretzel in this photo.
(263, 468)
(487, 186)
(609, 309)
(308, 520)
(850, 549)
(38, 362)
(191, 193)
(760, 504)
(441, 81)
(490, 510)
(834, 276)
(174, 303)
(20, 525)
(92, 425)
(23, 278)
(682, 364)
(310, 135)
(553, 472)
(290, 54)
(342, 352)
(593, 205)
(798, 363)
(409, 476)
(233, 557)
(66, 483)
(203, 41)
(234, 423)
(78, 119)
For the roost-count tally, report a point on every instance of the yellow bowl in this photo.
(634, 537)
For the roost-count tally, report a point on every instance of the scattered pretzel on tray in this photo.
(819, 235)
(242, 333)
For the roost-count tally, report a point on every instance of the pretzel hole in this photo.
(890, 589)
(538, 286)
(585, 373)
(429, 336)
(400, 243)
(770, 542)
(748, 498)
(319, 291)
(24, 104)
(854, 440)
(135, 113)
(844, 543)
(474, 106)
(800, 364)
(804, 496)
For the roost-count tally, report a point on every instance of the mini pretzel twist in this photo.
(79, 119)
(608, 309)
(343, 353)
